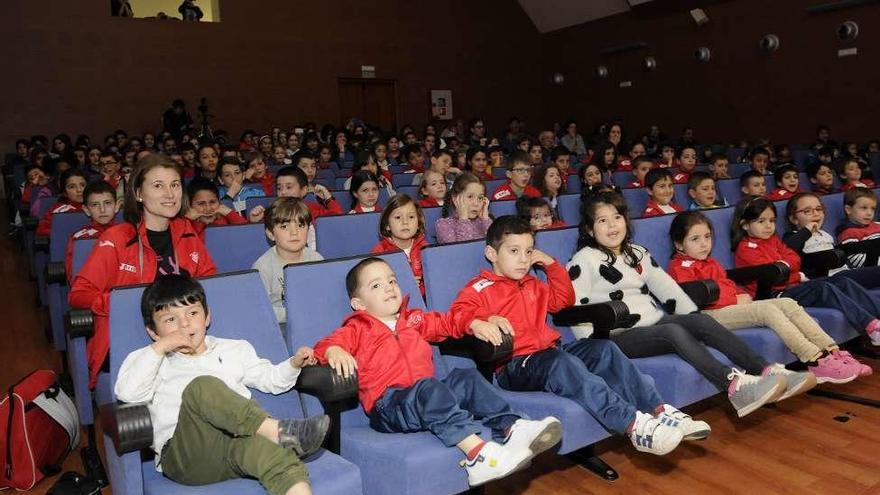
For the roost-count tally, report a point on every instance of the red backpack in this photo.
(38, 427)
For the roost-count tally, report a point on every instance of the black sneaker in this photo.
(303, 436)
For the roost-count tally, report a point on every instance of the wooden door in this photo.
(373, 100)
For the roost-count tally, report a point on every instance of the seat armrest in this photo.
(702, 292)
(479, 350)
(765, 276)
(324, 383)
(128, 425)
(41, 243)
(603, 316)
(56, 273)
(79, 323)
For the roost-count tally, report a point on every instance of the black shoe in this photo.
(303, 436)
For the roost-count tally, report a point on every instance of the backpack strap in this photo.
(60, 408)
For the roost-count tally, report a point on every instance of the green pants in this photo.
(215, 440)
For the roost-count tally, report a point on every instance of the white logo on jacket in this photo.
(502, 194)
(106, 244)
(482, 284)
(125, 267)
(194, 256)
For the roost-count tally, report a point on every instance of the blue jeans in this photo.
(841, 293)
(592, 372)
(867, 277)
(447, 408)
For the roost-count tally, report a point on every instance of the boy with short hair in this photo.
(703, 194)
(851, 175)
(860, 206)
(100, 205)
(206, 209)
(640, 168)
(205, 427)
(658, 182)
(441, 162)
(561, 157)
(687, 163)
(415, 161)
(258, 173)
(787, 183)
(821, 176)
(387, 343)
(305, 161)
(538, 212)
(292, 182)
(592, 372)
(760, 160)
(188, 157)
(519, 171)
(287, 223)
(752, 183)
(719, 166)
(234, 187)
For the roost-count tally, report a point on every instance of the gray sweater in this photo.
(271, 268)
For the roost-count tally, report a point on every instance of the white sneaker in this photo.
(649, 434)
(495, 461)
(536, 436)
(691, 429)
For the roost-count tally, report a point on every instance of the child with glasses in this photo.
(519, 172)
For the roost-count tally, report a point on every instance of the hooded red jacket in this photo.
(390, 358)
(683, 269)
(91, 231)
(652, 208)
(415, 255)
(525, 303)
(44, 228)
(752, 251)
(114, 262)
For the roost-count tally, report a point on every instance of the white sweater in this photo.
(643, 289)
(147, 377)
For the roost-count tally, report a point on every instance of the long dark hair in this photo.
(683, 223)
(747, 210)
(588, 218)
(791, 206)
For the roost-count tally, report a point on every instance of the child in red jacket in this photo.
(860, 206)
(206, 209)
(387, 343)
(753, 237)
(691, 234)
(519, 172)
(73, 183)
(661, 192)
(101, 206)
(592, 372)
(402, 228)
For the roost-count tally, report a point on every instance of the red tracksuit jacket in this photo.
(267, 182)
(64, 205)
(114, 262)
(386, 245)
(525, 303)
(652, 209)
(861, 183)
(357, 208)
(780, 194)
(331, 207)
(683, 269)
(91, 231)
(429, 203)
(681, 177)
(504, 192)
(389, 358)
(752, 251)
(233, 218)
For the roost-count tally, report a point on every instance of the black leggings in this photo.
(688, 336)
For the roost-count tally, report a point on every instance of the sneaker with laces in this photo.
(495, 461)
(652, 435)
(691, 429)
(536, 436)
(749, 392)
(795, 382)
(846, 357)
(832, 369)
(303, 436)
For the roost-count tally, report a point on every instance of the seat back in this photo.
(338, 236)
(653, 234)
(729, 190)
(569, 206)
(501, 208)
(559, 243)
(411, 191)
(82, 249)
(431, 217)
(64, 225)
(721, 219)
(499, 173)
(636, 199)
(224, 294)
(573, 186)
(236, 247)
(402, 179)
(735, 154)
(834, 213)
(491, 185)
(446, 268)
(263, 201)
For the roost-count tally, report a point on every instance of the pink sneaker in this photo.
(846, 357)
(833, 370)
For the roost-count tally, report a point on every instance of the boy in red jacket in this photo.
(518, 174)
(387, 343)
(99, 204)
(860, 205)
(661, 191)
(592, 372)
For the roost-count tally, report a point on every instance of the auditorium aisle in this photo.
(806, 445)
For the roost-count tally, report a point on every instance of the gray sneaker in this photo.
(749, 392)
(303, 436)
(795, 383)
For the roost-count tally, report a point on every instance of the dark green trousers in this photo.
(215, 440)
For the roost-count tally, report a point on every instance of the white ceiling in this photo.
(549, 15)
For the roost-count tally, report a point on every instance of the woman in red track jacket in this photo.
(153, 240)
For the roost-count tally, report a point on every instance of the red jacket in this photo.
(331, 207)
(386, 245)
(389, 358)
(505, 192)
(233, 218)
(429, 203)
(851, 232)
(44, 228)
(861, 183)
(752, 252)
(525, 303)
(90, 231)
(636, 184)
(484, 176)
(624, 166)
(418, 169)
(114, 262)
(780, 194)
(267, 183)
(683, 269)
(357, 208)
(652, 209)
(681, 177)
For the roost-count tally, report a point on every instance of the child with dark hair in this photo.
(233, 185)
(860, 206)
(851, 175)
(561, 158)
(287, 222)
(402, 228)
(101, 206)
(719, 166)
(687, 164)
(432, 189)
(538, 212)
(667, 156)
(415, 161)
(518, 174)
(206, 209)
(72, 184)
(257, 173)
(465, 211)
(660, 188)
(387, 343)
(640, 168)
(478, 162)
(610, 267)
(592, 372)
(787, 183)
(752, 183)
(441, 161)
(548, 180)
(821, 177)
(760, 160)
(364, 192)
(205, 427)
(291, 182)
(702, 191)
